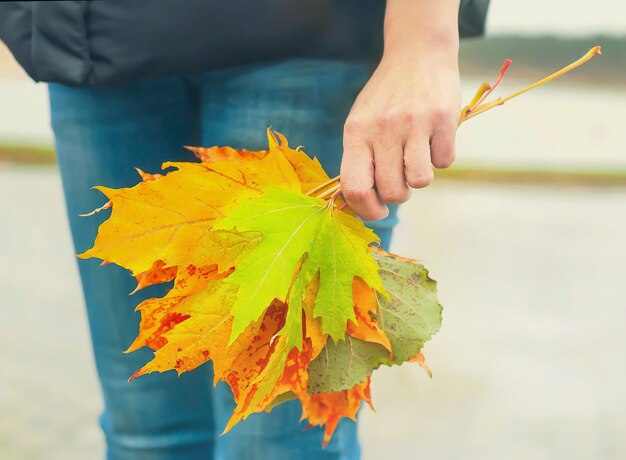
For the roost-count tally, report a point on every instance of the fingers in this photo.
(383, 161)
(357, 179)
(418, 171)
(391, 184)
(442, 148)
(433, 145)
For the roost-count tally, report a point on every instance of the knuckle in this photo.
(393, 194)
(354, 125)
(386, 120)
(442, 114)
(393, 117)
(354, 192)
(414, 118)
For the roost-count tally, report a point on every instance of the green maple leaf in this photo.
(410, 316)
(302, 236)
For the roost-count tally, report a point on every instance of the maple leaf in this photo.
(257, 391)
(208, 154)
(410, 316)
(287, 375)
(251, 366)
(144, 177)
(159, 315)
(344, 364)
(322, 409)
(294, 379)
(309, 170)
(170, 219)
(328, 408)
(366, 310)
(198, 338)
(191, 325)
(329, 278)
(292, 225)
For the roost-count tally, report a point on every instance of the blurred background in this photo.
(526, 235)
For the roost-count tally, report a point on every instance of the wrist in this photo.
(417, 28)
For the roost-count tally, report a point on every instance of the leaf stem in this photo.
(322, 186)
(471, 111)
(334, 196)
(328, 193)
(106, 205)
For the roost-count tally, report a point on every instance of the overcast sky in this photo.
(567, 17)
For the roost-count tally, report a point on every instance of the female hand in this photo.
(406, 116)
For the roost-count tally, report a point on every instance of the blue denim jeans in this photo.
(101, 134)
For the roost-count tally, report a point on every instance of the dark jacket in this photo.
(105, 42)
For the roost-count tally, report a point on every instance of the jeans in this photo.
(101, 134)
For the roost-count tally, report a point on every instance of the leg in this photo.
(100, 136)
(308, 101)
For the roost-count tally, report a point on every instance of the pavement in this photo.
(529, 362)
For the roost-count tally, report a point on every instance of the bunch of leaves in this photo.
(274, 279)
(270, 277)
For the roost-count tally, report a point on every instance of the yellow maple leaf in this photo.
(309, 170)
(171, 219)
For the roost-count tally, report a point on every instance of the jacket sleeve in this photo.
(15, 32)
(472, 17)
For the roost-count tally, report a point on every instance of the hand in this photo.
(404, 119)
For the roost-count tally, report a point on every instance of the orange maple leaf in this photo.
(325, 409)
(365, 306)
(208, 154)
(160, 315)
